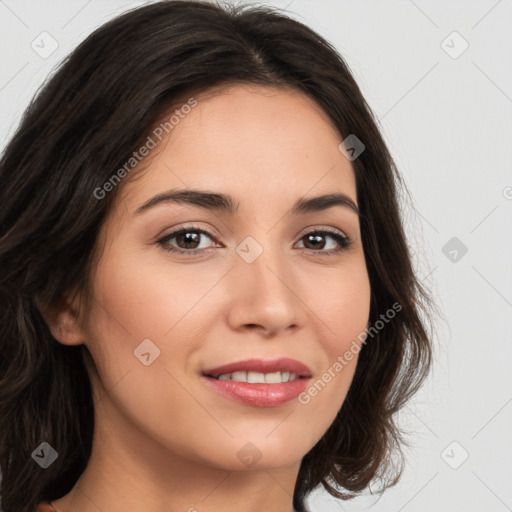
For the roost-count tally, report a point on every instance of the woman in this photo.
(208, 301)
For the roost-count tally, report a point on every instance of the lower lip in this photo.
(259, 395)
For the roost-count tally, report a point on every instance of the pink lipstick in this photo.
(258, 382)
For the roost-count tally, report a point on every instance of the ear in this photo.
(63, 321)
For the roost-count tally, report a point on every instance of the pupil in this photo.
(315, 237)
(190, 238)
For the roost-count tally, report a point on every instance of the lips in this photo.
(283, 364)
(257, 395)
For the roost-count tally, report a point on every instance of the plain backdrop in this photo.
(438, 76)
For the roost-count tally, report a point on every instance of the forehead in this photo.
(246, 140)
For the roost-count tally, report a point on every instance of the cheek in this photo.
(343, 311)
(347, 310)
(137, 300)
(133, 305)
(148, 299)
(341, 301)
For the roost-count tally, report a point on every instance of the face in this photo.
(252, 279)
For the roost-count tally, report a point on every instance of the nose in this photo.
(265, 296)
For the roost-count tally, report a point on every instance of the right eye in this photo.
(189, 235)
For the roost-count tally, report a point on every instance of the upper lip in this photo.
(283, 364)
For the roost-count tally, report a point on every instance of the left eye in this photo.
(313, 238)
(190, 236)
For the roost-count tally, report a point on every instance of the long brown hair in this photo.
(82, 126)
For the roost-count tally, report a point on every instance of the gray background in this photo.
(447, 117)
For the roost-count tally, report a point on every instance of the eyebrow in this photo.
(226, 203)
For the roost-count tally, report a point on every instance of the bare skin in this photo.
(163, 441)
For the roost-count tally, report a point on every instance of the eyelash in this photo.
(343, 241)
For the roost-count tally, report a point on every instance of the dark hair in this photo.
(83, 125)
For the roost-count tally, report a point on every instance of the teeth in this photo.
(274, 378)
(255, 378)
(239, 376)
(259, 378)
